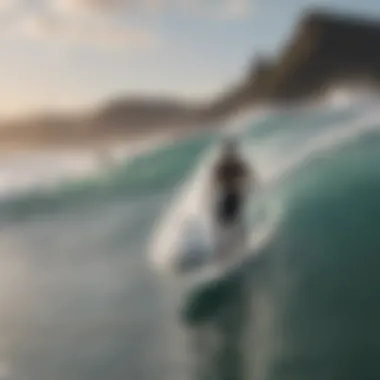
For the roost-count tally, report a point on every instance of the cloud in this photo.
(237, 8)
(224, 8)
(90, 5)
(61, 21)
(105, 35)
(110, 6)
(95, 22)
(6, 5)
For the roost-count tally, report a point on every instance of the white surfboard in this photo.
(200, 248)
(202, 252)
(194, 251)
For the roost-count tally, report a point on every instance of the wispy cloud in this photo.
(89, 5)
(237, 8)
(7, 4)
(105, 35)
(110, 6)
(72, 21)
(223, 8)
(48, 21)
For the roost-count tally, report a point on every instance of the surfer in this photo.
(231, 178)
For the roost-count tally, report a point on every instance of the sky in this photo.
(73, 54)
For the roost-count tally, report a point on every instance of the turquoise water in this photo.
(79, 298)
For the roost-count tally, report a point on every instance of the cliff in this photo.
(326, 50)
(144, 113)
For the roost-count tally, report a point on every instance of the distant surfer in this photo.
(231, 179)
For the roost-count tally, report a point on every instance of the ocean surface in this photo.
(80, 298)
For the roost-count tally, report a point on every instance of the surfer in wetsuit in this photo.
(231, 176)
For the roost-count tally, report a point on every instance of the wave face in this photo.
(79, 298)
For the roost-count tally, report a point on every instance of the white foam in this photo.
(21, 172)
(337, 135)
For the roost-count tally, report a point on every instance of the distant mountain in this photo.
(121, 118)
(326, 50)
(144, 113)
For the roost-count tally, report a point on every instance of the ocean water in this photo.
(80, 298)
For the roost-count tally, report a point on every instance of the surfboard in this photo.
(191, 249)
(205, 254)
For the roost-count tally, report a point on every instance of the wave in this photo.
(272, 161)
(46, 170)
(302, 305)
(260, 313)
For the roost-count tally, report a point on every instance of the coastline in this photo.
(95, 143)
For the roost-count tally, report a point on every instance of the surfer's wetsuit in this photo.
(230, 175)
